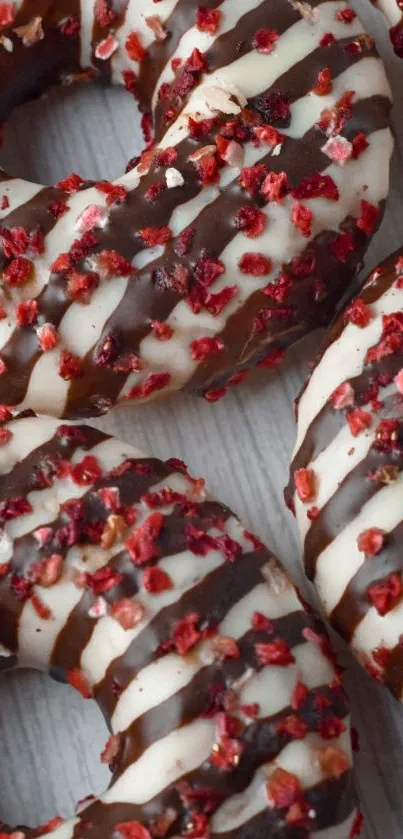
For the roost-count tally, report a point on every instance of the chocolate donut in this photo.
(122, 577)
(236, 233)
(347, 474)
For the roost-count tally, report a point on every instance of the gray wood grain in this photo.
(50, 739)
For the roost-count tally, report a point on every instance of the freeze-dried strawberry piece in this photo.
(293, 726)
(199, 542)
(215, 303)
(358, 421)
(208, 20)
(156, 580)
(305, 484)
(207, 270)
(142, 544)
(81, 285)
(132, 830)
(115, 193)
(115, 264)
(87, 471)
(162, 331)
(327, 40)
(323, 85)
(368, 218)
(130, 82)
(134, 47)
(18, 272)
(316, 186)
(276, 652)
(338, 149)
(152, 236)
(186, 634)
(26, 312)
(104, 579)
(69, 366)
(274, 107)
(386, 593)
(127, 612)
(359, 144)
(346, 15)
(283, 789)
(357, 826)
(330, 727)
(358, 312)
(301, 217)
(202, 348)
(275, 186)
(342, 245)
(7, 14)
(251, 177)
(72, 183)
(255, 264)
(250, 220)
(153, 382)
(371, 541)
(262, 622)
(342, 397)
(103, 13)
(265, 40)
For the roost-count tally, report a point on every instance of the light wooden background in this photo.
(50, 739)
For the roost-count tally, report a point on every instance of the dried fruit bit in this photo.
(156, 580)
(48, 571)
(358, 313)
(202, 348)
(70, 366)
(26, 312)
(153, 382)
(132, 830)
(324, 83)
(358, 421)
(106, 48)
(77, 679)
(333, 761)
(18, 272)
(142, 543)
(275, 652)
(342, 397)
(316, 186)
(357, 825)
(152, 236)
(283, 789)
(208, 20)
(225, 646)
(338, 149)
(346, 15)
(371, 541)
(305, 484)
(47, 336)
(127, 612)
(299, 696)
(265, 40)
(301, 217)
(250, 220)
(87, 471)
(72, 183)
(134, 47)
(293, 726)
(186, 633)
(255, 264)
(7, 14)
(369, 217)
(386, 594)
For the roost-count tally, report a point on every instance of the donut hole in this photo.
(86, 128)
(51, 740)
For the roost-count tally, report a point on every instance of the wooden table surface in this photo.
(50, 739)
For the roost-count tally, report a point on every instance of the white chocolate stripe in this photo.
(18, 192)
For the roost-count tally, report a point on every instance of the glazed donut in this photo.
(122, 577)
(347, 474)
(236, 234)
